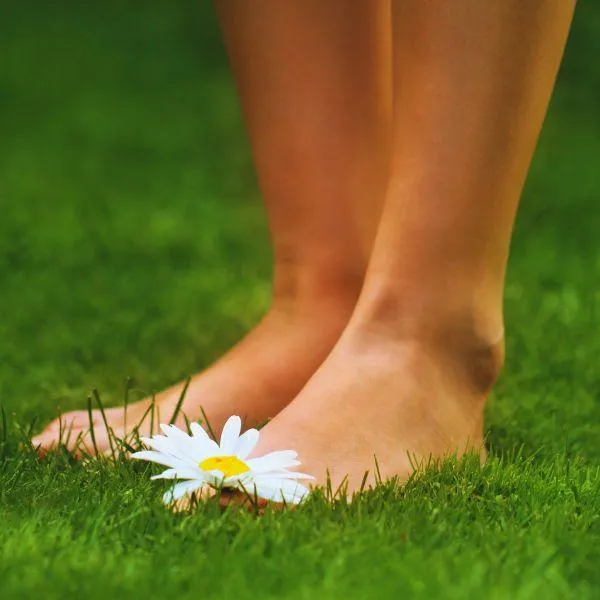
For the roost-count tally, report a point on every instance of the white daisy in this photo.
(201, 462)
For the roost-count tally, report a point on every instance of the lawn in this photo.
(133, 245)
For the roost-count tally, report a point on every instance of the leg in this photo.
(315, 92)
(411, 372)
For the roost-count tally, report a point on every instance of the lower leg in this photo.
(312, 79)
(412, 370)
(472, 85)
(314, 87)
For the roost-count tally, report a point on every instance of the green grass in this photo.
(132, 244)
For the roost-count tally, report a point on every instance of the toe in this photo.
(75, 419)
(45, 441)
(65, 430)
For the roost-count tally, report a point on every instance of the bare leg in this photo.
(313, 79)
(412, 371)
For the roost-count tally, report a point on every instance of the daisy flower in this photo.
(200, 462)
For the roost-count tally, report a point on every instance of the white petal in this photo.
(230, 435)
(210, 447)
(215, 478)
(181, 489)
(274, 461)
(199, 433)
(181, 473)
(171, 447)
(168, 474)
(162, 444)
(160, 458)
(183, 445)
(246, 443)
(193, 448)
(180, 439)
(290, 492)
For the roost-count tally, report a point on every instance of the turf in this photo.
(132, 245)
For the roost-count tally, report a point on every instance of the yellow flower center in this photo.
(228, 465)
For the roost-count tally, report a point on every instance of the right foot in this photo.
(255, 380)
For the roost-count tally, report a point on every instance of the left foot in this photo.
(399, 401)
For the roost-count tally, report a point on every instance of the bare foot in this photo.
(255, 380)
(402, 401)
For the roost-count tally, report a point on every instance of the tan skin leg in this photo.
(411, 372)
(314, 85)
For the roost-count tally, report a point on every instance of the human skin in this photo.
(410, 375)
(313, 80)
(391, 182)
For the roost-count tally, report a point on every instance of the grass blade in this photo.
(4, 425)
(152, 414)
(210, 429)
(126, 403)
(363, 484)
(109, 431)
(91, 420)
(180, 401)
(3, 443)
(378, 478)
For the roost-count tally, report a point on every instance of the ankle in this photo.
(467, 339)
(313, 290)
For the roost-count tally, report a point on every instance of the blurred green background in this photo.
(133, 244)
(132, 240)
